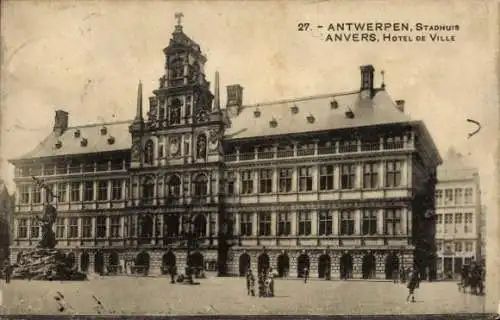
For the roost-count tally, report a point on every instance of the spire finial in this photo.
(216, 93)
(179, 16)
(383, 78)
(138, 116)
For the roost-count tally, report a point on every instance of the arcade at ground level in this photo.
(358, 264)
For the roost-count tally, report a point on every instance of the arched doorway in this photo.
(99, 262)
(145, 229)
(70, 260)
(200, 225)
(345, 266)
(283, 265)
(195, 260)
(302, 264)
(368, 266)
(244, 264)
(168, 261)
(391, 265)
(84, 262)
(170, 228)
(142, 261)
(324, 266)
(263, 263)
(113, 261)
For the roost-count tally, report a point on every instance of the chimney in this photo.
(234, 99)
(400, 104)
(367, 78)
(61, 122)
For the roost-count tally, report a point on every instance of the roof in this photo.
(456, 167)
(367, 112)
(96, 142)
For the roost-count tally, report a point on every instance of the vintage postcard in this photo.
(245, 158)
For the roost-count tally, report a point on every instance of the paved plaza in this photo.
(152, 296)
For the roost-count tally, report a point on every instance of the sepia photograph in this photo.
(249, 158)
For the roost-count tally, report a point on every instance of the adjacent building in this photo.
(6, 210)
(341, 183)
(460, 216)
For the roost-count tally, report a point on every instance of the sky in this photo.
(88, 57)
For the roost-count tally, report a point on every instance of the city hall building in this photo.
(341, 184)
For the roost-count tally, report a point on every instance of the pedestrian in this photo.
(252, 284)
(249, 281)
(412, 284)
(306, 274)
(173, 272)
(7, 271)
(271, 282)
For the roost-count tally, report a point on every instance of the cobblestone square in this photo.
(156, 296)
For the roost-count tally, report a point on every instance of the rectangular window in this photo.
(458, 246)
(60, 228)
(325, 223)
(50, 192)
(458, 196)
(448, 196)
(369, 222)
(22, 228)
(100, 227)
(393, 174)
(230, 183)
(75, 191)
(61, 168)
(284, 224)
(87, 227)
(304, 223)
(102, 166)
(115, 227)
(468, 196)
(73, 228)
(246, 224)
(439, 197)
(48, 170)
(35, 229)
(247, 182)
(133, 226)
(469, 247)
(439, 218)
(266, 180)
(88, 194)
(326, 177)
(285, 178)
(370, 175)
(347, 223)
(102, 187)
(116, 189)
(348, 177)
(24, 192)
(36, 195)
(265, 223)
(305, 179)
(61, 192)
(458, 221)
(392, 222)
(448, 221)
(468, 222)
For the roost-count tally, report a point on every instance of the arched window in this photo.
(149, 152)
(175, 111)
(148, 189)
(200, 226)
(201, 146)
(176, 69)
(174, 186)
(200, 185)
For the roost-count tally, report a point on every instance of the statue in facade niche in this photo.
(202, 146)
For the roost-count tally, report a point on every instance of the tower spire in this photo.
(138, 116)
(217, 95)
(178, 16)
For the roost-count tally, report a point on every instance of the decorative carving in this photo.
(214, 139)
(201, 146)
(174, 146)
(201, 116)
(136, 150)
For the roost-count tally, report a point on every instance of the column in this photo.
(316, 147)
(16, 228)
(409, 220)
(255, 181)
(314, 223)
(293, 223)
(122, 227)
(335, 221)
(381, 142)
(404, 225)
(404, 172)
(94, 195)
(357, 222)
(275, 180)
(359, 175)
(380, 221)
(153, 233)
(216, 218)
(66, 228)
(93, 233)
(255, 223)
(180, 223)
(208, 227)
(382, 174)
(80, 227)
(238, 154)
(336, 176)
(108, 227)
(236, 223)
(273, 223)
(160, 224)
(295, 144)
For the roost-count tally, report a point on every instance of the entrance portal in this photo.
(195, 260)
(368, 266)
(283, 265)
(391, 265)
(324, 266)
(168, 262)
(142, 262)
(346, 266)
(244, 264)
(302, 264)
(263, 263)
(84, 262)
(99, 262)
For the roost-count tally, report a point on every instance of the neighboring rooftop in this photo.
(456, 167)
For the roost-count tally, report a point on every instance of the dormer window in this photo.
(349, 114)
(83, 142)
(273, 123)
(334, 104)
(58, 145)
(294, 109)
(77, 133)
(111, 140)
(104, 131)
(256, 113)
(310, 118)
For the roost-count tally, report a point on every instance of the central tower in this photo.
(177, 176)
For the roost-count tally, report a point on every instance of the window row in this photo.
(455, 246)
(325, 178)
(455, 196)
(453, 223)
(74, 166)
(392, 223)
(62, 192)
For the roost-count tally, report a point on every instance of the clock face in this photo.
(174, 146)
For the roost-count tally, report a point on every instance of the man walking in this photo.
(412, 284)
(8, 271)
(306, 274)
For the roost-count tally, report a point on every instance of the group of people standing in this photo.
(265, 280)
(472, 276)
